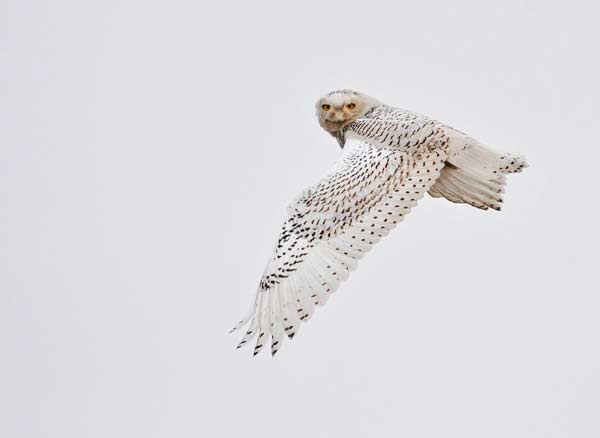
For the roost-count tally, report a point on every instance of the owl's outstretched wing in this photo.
(329, 227)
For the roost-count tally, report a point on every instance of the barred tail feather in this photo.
(474, 173)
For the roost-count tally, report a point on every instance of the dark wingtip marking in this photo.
(241, 344)
(236, 326)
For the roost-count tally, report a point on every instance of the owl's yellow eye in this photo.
(351, 106)
(326, 107)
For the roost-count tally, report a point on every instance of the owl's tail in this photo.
(474, 173)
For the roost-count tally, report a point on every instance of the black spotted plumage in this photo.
(391, 159)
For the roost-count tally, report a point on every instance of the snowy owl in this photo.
(390, 159)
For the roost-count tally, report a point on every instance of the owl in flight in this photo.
(390, 159)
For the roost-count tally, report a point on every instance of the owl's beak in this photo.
(339, 116)
(333, 125)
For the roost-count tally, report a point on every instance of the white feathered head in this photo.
(339, 108)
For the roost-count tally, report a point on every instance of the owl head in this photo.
(338, 109)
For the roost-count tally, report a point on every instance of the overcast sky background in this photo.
(148, 150)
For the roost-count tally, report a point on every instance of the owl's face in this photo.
(338, 109)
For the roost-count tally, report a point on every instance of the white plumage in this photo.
(391, 159)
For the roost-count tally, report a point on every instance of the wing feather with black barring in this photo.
(331, 226)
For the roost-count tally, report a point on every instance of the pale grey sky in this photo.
(148, 150)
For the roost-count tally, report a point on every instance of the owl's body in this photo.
(391, 159)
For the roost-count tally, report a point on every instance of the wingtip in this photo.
(237, 326)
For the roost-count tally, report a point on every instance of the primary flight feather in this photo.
(391, 158)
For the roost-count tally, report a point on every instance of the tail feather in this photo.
(474, 173)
